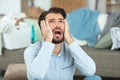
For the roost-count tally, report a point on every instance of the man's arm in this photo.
(82, 61)
(37, 60)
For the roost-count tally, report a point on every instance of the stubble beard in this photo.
(58, 41)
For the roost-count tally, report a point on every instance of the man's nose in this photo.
(57, 24)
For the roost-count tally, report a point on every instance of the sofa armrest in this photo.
(16, 72)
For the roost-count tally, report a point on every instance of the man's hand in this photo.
(67, 36)
(46, 31)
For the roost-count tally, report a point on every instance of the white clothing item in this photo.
(80, 42)
(115, 35)
(102, 19)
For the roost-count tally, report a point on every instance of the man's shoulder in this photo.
(36, 44)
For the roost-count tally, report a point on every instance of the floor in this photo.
(75, 77)
(1, 74)
(103, 78)
(1, 78)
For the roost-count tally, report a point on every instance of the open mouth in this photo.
(57, 32)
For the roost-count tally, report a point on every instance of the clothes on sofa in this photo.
(42, 64)
(113, 20)
(83, 25)
(115, 35)
(102, 19)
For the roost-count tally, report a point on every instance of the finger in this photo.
(47, 24)
(41, 24)
(66, 24)
(44, 24)
(43, 27)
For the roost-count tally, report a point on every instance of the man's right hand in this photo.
(46, 31)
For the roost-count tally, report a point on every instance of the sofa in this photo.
(107, 61)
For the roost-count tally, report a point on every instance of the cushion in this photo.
(104, 42)
(16, 72)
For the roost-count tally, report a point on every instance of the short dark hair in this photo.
(52, 10)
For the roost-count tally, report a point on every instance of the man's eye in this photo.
(51, 21)
(61, 21)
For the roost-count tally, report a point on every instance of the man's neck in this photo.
(57, 48)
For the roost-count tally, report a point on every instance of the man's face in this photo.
(57, 25)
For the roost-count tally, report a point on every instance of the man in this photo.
(57, 56)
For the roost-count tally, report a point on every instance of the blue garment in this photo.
(83, 25)
(42, 64)
(95, 77)
(34, 37)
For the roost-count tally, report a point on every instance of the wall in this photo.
(8, 6)
(71, 4)
(44, 4)
(91, 4)
(100, 5)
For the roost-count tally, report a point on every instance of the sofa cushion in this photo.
(104, 42)
(16, 72)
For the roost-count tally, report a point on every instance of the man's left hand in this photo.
(67, 36)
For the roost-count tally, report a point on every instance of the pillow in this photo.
(104, 42)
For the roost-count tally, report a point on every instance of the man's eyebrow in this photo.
(54, 19)
(60, 19)
(51, 19)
